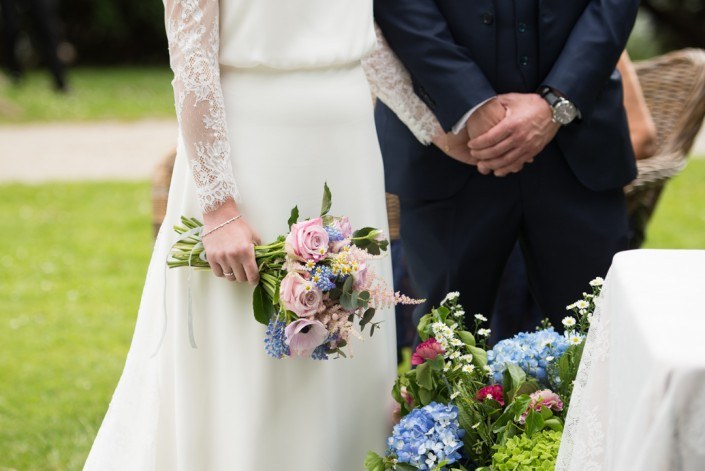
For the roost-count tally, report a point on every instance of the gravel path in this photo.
(97, 151)
(84, 151)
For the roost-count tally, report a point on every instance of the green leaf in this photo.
(294, 217)
(479, 356)
(534, 422)
(437, 363)
(424, 375)
(347, 286)
(327, 200)
(554, 423)
(367, 317)
(424, 327)
(426, 396)
(467, 338)
(262, 305)
(405, 467)
(374, 462)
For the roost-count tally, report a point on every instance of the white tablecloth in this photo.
(639, 398)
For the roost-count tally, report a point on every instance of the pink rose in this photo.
(300, 296)
(541, 399)
(493, 392)
(303, 336)
(307, 240)
(427, 350)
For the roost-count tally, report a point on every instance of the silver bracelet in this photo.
(221, 225)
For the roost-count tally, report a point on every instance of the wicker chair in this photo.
(674, 88)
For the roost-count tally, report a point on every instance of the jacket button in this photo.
(524, 61)
(488, 18)
(522, 27)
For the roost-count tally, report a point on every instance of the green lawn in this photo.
(73, 262)
(101, 93)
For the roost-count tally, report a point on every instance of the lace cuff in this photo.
(192, 31)
(391, 83)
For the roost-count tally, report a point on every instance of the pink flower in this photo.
(303, 336)
(493, 392)
(427, 350)
(300, 296)
(546, 398)
(307, 240)
(541, 399)
(343, 225)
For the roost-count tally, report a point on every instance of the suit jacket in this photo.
(450, 48)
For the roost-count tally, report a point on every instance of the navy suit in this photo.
(567, 209)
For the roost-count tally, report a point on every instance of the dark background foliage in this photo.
(132, 31)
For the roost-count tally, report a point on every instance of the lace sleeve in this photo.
(391, 83)
(192, 31)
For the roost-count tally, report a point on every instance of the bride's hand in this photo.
(454, 145)
(230, 249)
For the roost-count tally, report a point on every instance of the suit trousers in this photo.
(568, 235)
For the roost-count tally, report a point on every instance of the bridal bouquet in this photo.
(315, 282)
(465, 407)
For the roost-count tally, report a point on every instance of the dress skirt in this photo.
(226, 405)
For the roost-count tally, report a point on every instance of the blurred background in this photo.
(86, 133)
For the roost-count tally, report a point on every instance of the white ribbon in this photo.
(196, 231)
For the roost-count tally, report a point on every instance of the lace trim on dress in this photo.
(192, 31)
(391, 83)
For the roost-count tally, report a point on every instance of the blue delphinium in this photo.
(427, 436)
(532, 352)
(334, 235)
(275, 340)
(323, 277)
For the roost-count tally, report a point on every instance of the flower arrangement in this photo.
(315, 282)
(509, 402)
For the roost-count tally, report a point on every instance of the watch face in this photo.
(564, 112)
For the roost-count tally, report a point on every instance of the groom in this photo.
(549, 174)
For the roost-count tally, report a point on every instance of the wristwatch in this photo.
(564, 111)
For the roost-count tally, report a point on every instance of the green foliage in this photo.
(72, 270)
(113, 32)
(107, 93)
(536, 452)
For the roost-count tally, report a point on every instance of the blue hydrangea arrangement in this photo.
(533, 352)
(427, 437)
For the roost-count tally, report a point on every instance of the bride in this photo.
(272, 102)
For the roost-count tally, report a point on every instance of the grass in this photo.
(73, 264)
(126, 93)
(72, 268)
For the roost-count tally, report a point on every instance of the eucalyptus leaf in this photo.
(327, 200)
(367, 317)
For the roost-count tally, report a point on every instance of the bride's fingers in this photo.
(251, 270)
(216, 268)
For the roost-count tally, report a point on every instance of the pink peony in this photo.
(303, 336)
(541, 399)
(427, 350)
(300, 296)
(307, 240)
(493, 391)
(546, 398)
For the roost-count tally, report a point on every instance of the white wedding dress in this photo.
(272, 102)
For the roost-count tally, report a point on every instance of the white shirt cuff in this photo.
(464, 120)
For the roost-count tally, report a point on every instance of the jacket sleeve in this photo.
(192, 32)
(444, 75)
(591, 53)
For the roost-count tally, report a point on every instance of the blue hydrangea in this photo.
(334, 235)
(320, 352)
(323, 277)
(275, 340)
(531, 351)
(427, 436)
